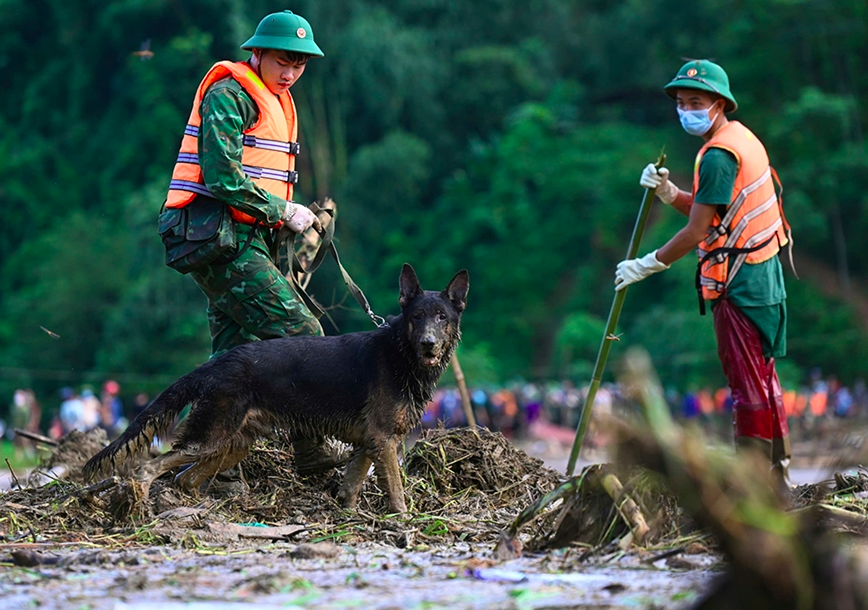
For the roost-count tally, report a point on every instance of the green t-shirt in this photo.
(757, 290)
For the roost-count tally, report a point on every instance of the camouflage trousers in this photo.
(249, 299)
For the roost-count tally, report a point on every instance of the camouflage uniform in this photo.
(248, 298)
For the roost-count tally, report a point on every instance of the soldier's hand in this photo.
(654, 178)
(637, 269)
(299, 218)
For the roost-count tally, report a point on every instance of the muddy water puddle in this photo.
(367, 575)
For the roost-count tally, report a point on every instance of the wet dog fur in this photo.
(368, 389)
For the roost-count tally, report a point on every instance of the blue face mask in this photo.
(696, 122)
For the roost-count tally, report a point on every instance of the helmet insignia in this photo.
(300, 33)
(691, 72)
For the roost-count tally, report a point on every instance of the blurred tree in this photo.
(498, 135)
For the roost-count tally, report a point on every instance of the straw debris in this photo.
(461, 484)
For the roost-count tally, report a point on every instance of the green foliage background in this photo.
(502, 136)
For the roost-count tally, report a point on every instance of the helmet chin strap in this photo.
(711, 130)
(718, 112)
(255, 61)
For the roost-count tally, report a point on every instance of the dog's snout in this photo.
(427, 341)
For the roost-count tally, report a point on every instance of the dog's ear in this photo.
(409, 284)
(457, 289)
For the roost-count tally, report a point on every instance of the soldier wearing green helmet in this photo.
(703, 75)
(736, 224)
(284, 31)
(239, 148)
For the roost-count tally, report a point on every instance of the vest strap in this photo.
(271, 174)
(251, 170)
(723, 227)
(192, 187)
(292, 148)
(714, 284)
(787, 230)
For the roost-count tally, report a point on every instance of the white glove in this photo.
(653, 178)
(637, 269)
(299, 218)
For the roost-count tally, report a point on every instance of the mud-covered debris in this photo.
(595, 508)
(234, 531)
(25, 558)
(507, 548)
(67, 459)
(126, 501)
(29, 558)
(182, 514)
(468, 497)
(455, 459)
(315, 550)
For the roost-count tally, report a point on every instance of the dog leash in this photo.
(326, 246)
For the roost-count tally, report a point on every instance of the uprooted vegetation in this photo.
(461, 485)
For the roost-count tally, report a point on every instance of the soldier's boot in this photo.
(778, 454)
(781, 464)
(316, 455)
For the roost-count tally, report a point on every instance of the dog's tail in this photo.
(152, 422)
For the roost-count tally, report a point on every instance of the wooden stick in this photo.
(462, 389)
(12, 472)
(664, 555)
(89, 493)
(36, 437)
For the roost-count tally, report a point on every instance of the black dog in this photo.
(367, 388)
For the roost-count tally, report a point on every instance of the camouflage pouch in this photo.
(197, 233)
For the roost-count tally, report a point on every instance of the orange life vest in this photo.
(269, 146)
(753, 228)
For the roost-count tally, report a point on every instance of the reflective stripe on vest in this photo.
(752, 230)
(253, 172)
(268, 147)
(291, 148)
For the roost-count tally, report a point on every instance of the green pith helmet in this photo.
(703, 75)
(284, 31)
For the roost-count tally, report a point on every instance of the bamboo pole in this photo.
(627, 507)
(612, 324)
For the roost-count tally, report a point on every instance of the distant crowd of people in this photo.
(512, 410)
(515, 410)
(79, 409)
(818, 399)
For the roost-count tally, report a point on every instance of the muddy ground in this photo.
(286, 543)
(363, 575)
